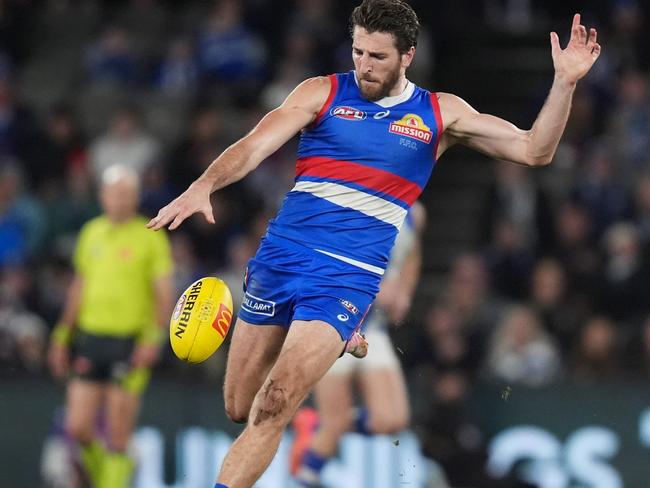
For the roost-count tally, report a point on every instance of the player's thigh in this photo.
(122, 407)
(386, 397)
(334, 400)
(310, 349)
(253, 350)
(83, 402)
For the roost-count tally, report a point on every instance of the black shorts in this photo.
(106, 360)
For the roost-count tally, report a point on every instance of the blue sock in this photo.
(309, 474)
(219, 485)
(361, 419)
(313, 461)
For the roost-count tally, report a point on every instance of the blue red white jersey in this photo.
(360, 167)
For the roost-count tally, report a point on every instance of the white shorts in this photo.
(381, 355)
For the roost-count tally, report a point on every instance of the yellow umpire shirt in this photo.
(119, 264)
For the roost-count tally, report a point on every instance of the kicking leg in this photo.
(253, 350)
(311, 347)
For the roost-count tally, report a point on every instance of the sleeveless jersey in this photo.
(360, 167)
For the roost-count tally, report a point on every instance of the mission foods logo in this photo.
(412, 126)
(348, 113)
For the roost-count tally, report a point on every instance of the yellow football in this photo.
(201, 320)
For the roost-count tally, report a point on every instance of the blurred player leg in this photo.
(315, 442)
(83, 402)
(252, 352)
(311, 347)
(385, 410)
(386, 398)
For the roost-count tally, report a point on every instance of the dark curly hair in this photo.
(394, 17)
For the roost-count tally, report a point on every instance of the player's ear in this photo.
(407, 57)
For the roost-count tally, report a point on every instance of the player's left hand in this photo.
(145, 355)
(573, 62)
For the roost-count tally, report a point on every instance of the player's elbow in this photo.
(539, 161)
(534, 153)
(530, 161)
(537, 157)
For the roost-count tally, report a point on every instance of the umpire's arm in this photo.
(58, 357)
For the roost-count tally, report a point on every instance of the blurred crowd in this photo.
(556, 289)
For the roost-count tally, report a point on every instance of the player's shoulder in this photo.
(452, 107)
(310, 95)
(448, 98)
(316, 86)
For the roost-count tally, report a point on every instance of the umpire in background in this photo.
(112, 326)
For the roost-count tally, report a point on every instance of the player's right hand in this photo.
(58, 359)
(196, 199)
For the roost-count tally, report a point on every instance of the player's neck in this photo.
(399, 87)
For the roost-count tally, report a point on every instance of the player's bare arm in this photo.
(276, 128)
(501, 139)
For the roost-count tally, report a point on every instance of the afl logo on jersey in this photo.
(412, 125)
(348, 113)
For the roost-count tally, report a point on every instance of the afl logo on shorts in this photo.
(348, 113)
(349, 306)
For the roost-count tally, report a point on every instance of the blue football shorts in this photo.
(286, 281)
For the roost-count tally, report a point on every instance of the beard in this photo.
(373, 89)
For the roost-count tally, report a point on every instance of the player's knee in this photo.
(236, 415)
(273, 403)
(119, 441)
(336, 424)
(390, 424)
(235, 411)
